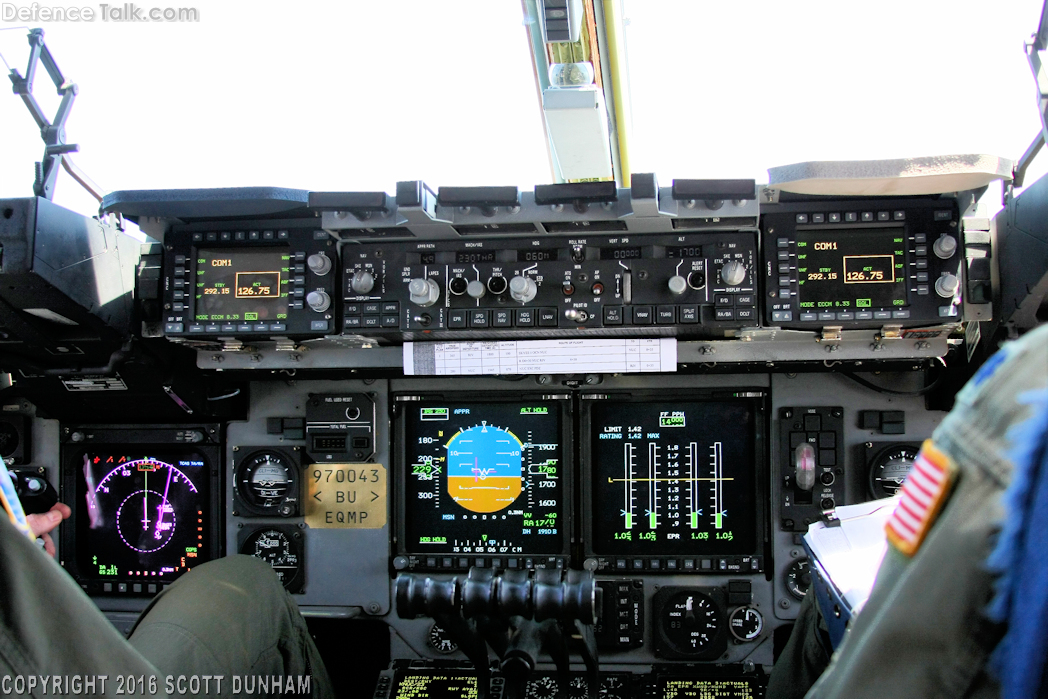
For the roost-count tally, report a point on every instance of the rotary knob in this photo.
(318, 300)
(476, 289)
(319, 264)
(677, 284)
(733, 273)
(522, 289)
(424, 292)
(947, 285)
(362, 282)
(944, 246)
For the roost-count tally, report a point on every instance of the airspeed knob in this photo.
(677, 284)
(424, 292)
(362, 282)
(476, 289)
(733, 273)
(318, 300)
(319, 264)
(522, 289)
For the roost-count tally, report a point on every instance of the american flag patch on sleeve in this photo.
(921, 498)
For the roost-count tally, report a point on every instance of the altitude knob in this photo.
(944, 246)
(318, 300)
(733, 273)
(677, 284)
(424, 292)
(319, 264)
(522, 289)
(362, 282)
(947, 285)
(476, 289)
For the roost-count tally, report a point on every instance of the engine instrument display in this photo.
(485, 476)
(141, 517)
(851, 270)
(673, 477)
(244, 285)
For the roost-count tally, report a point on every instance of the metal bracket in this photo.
(232, 346)
(831, 333)
(56, 150)
(890, 332)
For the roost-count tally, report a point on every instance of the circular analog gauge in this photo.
(578, 689)
(267, 483)
(889, 470)
(542, 688)
(690, 621)
(745, 623)
(439, 640)
(279, 547)
(611, 686)
(798, 578)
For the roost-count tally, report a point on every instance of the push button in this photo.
(642, 315)
(613, 315)
(548, 317)
(478, 319)
(525, 318)
(689, 315)
(502, 319)
(457, 319)
(666, 315)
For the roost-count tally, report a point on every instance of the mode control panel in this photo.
(246, 283)
(693, 284)
(811, 451)
(863, 264)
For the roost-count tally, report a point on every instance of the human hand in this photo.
(43, 523)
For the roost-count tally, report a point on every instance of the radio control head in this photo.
(423, 292)
(319, 264)
(677, 284)
(733, 273)
(362, 282)
(318, 300)
(944, 246)
(947, 285)
(522, 289)
(476, 289)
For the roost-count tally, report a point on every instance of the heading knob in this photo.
(476, 289)
(318, 300)
(677, 284)
(424, 292)
(522, 289)
(947, 285)
(733, 273)
(319, 264)
(362, 282)
(944, 246)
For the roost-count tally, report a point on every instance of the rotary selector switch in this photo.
(733, 273)
(424, 292)
(522, 289)
(319, 264)
(944, 246)
(362, 282)
(677, 284)
(476, 289)
(318, 300)
(947, 285)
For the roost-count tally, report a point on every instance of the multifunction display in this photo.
(673, 477)
(141, 517)
(242, 285)
(484, 477)
(851, 270)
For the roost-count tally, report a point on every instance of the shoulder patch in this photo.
(921, 498)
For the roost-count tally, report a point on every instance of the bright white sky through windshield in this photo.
(357, 96)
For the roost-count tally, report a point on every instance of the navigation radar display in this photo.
(673, 477)
(141, 517)
(484, 478)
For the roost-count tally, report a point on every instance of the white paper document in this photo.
(851, 553)
(606, 356)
